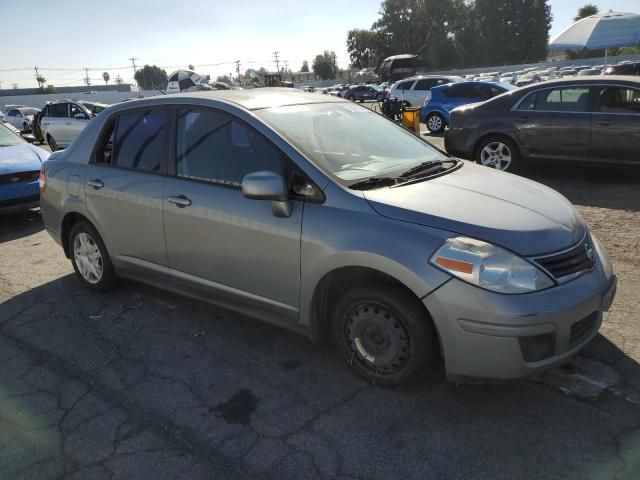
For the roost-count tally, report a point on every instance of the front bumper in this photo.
(21, 196)
(486, 335)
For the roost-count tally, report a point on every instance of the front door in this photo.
(78, 119)
(218, 241)
(124, 186)
(554, 123)
(54, 122)
(615, 130)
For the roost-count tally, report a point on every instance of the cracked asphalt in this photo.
(141, 384)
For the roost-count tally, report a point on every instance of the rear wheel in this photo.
(384, 333)
(90, 259)
(52, 143)
(499, 152)
(435, 123)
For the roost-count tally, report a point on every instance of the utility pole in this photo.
(238, 70)
(286, 66)
(86, 78)
(133, 62)
(275, 54)
(335, 67)
(37, 77)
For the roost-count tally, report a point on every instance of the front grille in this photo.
(578, 259)
(19, 177)
(19, 201)
(582, 328)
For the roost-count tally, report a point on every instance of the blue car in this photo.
(20, 165)
(441, 100)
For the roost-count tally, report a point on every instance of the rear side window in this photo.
(570, 99)
(424, 84)
(619, 100)
(58, 110)
(142, 140)
(405, 85)
(214, 146)
(461, 91)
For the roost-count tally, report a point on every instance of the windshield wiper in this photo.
(423, 168)
(374, 182)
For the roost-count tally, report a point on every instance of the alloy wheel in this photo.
(434, 122)
(496, 155)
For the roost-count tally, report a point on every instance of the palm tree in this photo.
(41, 81)
(106, 77)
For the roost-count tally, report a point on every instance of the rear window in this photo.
(142, 140)
(570, 99)
(405, 85)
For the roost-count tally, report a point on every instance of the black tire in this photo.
(351, 98)
(52, 143)
(108, 279)
(515, 163)
(435, 123)
(384, 334)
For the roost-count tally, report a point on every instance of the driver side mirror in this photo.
(80, 116)
(267, 185)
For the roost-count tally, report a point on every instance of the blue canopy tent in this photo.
(600, 31)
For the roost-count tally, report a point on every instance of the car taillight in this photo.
(42, 180)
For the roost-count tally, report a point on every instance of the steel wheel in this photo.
(52, 143)
(88, 258)
(379, 340)
(435, 123)
(496, 155)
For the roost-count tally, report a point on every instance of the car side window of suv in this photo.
(405, 85)
(58, 110)
(568, 99)
(424, 84)
(76, 111)
(12, 113)
(141, 140)
(216, 147)
(619, 100)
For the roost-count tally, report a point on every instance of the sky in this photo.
(209, 34)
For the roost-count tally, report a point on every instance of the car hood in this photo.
(21, 158)
(523, 216)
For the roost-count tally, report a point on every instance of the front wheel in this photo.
(435, 123)
(90, 259)
(52, 143)
(498, 152)
(384, 333)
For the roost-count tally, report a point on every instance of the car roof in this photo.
(250, 99)
(594, 79)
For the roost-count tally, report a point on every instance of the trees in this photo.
(305, 66)
(41, 81)
(324, 65)
(106, 77)
(364, 48)
(150, 77)
(586, 11)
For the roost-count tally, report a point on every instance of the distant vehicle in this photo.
(568, 73)
(441, 100)
(20, 165)
(21, 117)
(413, 91)
(130, 99)
(527, 79)
(397, 67)
(588, 119)
(628, 68)
(508, 78)
(94, 107)
(589, 72)
(62, 122)
(363, 93)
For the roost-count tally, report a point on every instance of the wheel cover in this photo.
(378, 338)
(88, 258)
(434, 123)
(496, 155)
(52, 144)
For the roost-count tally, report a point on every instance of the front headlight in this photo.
(604, 256)
(488, 266)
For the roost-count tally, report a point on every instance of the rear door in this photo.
(218, 241)
(554, 123)
(615, 129)
(124, 185)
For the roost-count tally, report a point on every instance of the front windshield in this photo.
(8, 138)
(349, 141)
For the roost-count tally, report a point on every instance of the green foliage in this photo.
(305, 66)
(41, 81)
(324, 65)
(106, 77)
(150, 77)
(50, 89)
(455, 33)
(586, 11)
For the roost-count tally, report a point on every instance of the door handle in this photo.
(95, 183)
(522, 119)
(605, 123)
(180, 201)
(45, 123)
(67, 123)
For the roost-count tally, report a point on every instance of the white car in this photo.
(9, 126)
(21, 117)
(62, 122)
(413, 91)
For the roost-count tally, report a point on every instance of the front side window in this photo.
(142, 140)
(570, 99)
(347, 141)
(216, 147)
(619, 100)
(424, 84)
(12, 113)
(59, 110)
(76, 111)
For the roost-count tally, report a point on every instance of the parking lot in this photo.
(140, 384)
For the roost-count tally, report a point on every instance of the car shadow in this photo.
(613, 187)
(186, 365)
(20, 224)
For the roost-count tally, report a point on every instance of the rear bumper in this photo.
(487, 335)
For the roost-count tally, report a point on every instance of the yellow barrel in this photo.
(411, 119)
